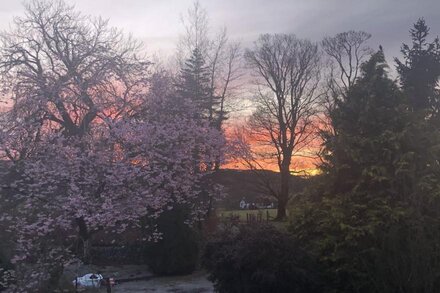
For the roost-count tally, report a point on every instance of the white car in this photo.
(88, 281)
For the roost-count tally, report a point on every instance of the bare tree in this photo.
(196, 36)
(225, 60)
(287, 76)
(63, 71)
(346, 52)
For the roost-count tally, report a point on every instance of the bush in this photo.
(6, 273)
(370, 247)
(117, 255)
(177, 252)
(259, 259)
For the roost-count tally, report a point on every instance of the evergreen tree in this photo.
(367, 121)
(373, 220)
(420, 70)
(419, 169)
(194, 84)
(374, 228)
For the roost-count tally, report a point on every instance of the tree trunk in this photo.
(283, 196)
(217, 165)
(84, 235)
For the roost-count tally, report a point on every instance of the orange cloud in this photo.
(304, 161)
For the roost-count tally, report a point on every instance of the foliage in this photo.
(370, 125)
(91, 149)
(419, 70)
(7, 276)
(370, 221)
(177, 250)
(209, 66)
(194, 85)
(104, 182)
(259, 259)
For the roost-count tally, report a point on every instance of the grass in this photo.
(242, 214)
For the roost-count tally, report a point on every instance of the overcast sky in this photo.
(157, 22)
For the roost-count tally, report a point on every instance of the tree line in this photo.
(369, 222)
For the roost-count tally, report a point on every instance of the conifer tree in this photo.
(419, 75)
(194, 85)
(358, 206)
(374, 226)
(420, 70)
(367, 120)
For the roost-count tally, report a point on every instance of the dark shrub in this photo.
(368, 248)
(177, 252)
(6, 273)
(117, 255)
(259, 259)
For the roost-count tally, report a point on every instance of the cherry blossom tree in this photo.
(105, 181)
(96, 143)
(64, 70)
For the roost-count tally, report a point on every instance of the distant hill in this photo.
(251, 185)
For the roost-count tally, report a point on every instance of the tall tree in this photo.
(345, 53)
(196, 36)
(84, 157)
(370, 112)
(219, 67)
(222, 57)
(355, 198)
(225, 70)
(287, 72)
(378, 204)
(420, 70)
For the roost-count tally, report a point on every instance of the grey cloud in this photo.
(158, 22)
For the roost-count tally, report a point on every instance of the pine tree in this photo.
(419, 76)
(367, 121)
(420, 70)
(360, 202)
(375, 225)
(194, 85)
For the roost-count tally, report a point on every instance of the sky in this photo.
(158, 22)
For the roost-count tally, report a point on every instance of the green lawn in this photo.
(242, 214)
